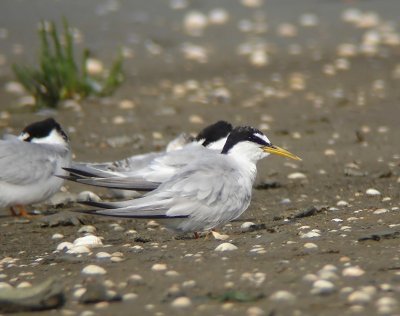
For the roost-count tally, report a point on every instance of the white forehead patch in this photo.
(23, 136)
(262, 137)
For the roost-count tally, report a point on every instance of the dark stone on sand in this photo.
(47, 295)
(383, 174)
(310, 211)
(268, 184)
(97, 292)
(64, 218)
(384, 234)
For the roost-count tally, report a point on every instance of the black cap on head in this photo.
(214, 132)
(245, 133)
(42, 129)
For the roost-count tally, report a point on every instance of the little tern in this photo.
(29, 163)
(146, 172)
(209, 192)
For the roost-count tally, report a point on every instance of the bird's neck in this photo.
(246, 159)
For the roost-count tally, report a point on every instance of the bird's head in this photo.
(249, 142)
(47, 131)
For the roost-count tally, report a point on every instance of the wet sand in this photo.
(337, 109)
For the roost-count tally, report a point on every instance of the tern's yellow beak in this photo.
(280, 151)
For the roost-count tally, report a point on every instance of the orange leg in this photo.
(19, 210)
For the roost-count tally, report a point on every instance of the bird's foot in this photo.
(19, 211)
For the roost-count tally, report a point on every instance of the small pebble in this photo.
(373, 192)
(116, 259)
(196, 119)
(103, 255)
(94, 66)
(359, 297)
(172, 273)
(310, 246)
(126, 104)
(255, 311)
(226, 247)
(195, 22)
(88, 196)
(283, 297)
(189, 284)
(14, 87)
(218, 16)
(118, 120)
(78, 250)
(129, 297)
(353, 272)
(57, 236)
(386, 305)
(218, 236)
(93, 270)
(247, 226)
(79, 292)
(296, 176)
(64, 246)
(89, 241)
(135, 279)
(159, 267)
(323, 287)
(87, 229)
(327, 275)
(310, 278)
(380, 211)
(5, 285)
(329, 152)
(181, 302)
(24, 285)
(342, 203)
(310, 234)
(152, 224)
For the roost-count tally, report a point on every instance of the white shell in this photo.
(64, 246)
(181, 302)
(87, 229)
(323, 287)
(283, 296)
(78, 250)
(159, 267)
(93, 270)
(103, 255)
(219, 236)
(296, 176)
(353, 272)
(373, 192)
(226, 246)
(89, 241)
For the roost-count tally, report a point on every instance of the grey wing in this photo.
(88, 170)
(166, 166)
(121, 183)
(23, 163)
(195, 191)
(129, 164)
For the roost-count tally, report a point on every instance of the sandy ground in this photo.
(336, 108)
